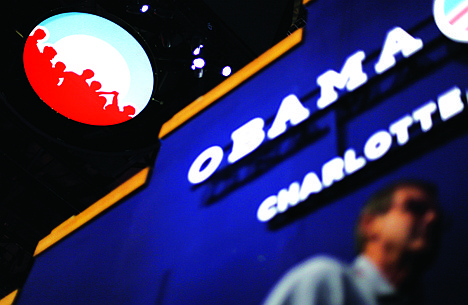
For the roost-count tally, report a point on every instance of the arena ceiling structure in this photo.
(52, 167)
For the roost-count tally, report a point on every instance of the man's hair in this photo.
(382, 200)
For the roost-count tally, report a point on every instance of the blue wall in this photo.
(176, 243)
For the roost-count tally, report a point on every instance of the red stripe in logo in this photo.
(459, 15)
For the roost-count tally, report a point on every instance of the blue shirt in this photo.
(327, 281)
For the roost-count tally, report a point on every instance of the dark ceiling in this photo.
(52, 168)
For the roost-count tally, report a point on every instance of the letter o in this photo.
(378, 145)
(196, 174)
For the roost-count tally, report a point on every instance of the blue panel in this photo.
(178, 243)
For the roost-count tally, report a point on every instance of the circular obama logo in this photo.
(88, 69)
(451, 17)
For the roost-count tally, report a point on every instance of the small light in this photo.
(197, 50)
(144, 8)
(199, 73)
(226, 71)
(199, 63)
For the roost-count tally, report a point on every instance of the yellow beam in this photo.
(98, 207)
(232, 82)
(9, 299)
(180, 118)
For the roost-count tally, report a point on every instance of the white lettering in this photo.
(291, 110)
(351, 163)
(246, 139)
(377, 145)
(351, 76)
(423, 115)
(200, 171)
(310, 185)
(288, 197)
(267, 209)
(450, 104)
(251, 135)
(397, 41)
(400, 129)
(332, 171)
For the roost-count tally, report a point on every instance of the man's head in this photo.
(403, 219)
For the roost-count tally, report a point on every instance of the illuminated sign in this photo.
(352, 76)
(250, 136)
(88, 69)
(254, 176)
(247, 138)
(449, 104)
(291, 112)
(451, 16)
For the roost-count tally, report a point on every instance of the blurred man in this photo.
(397, 235)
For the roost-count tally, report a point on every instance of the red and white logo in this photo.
(451, 17)
(88, 69)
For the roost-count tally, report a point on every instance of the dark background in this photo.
(51, 169)
(176, 243)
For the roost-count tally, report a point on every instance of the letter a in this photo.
(291, 110)
(397, 41)
(351, 76)
(246, 139)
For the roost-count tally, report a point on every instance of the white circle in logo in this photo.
(82, 52)
(88, 69)
(451, 17)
